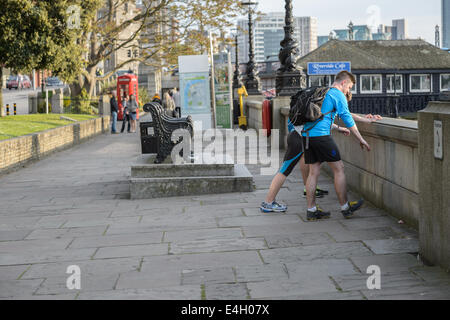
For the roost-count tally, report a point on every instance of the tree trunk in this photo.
(1, 91)
(89, 82)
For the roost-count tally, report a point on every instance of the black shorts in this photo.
(321, 149)
(293, 154)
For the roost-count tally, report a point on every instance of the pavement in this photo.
(73, 208)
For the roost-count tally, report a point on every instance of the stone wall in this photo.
(388, 175)
(434, 183)
(253, 111)
(17, 152)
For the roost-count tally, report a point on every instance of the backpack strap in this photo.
(315, 123)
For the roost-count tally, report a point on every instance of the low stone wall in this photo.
(19, 151)
(254, 114)
(388, 175)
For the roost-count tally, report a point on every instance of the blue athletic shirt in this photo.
(334, 99)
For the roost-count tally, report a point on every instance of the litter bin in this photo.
(149, 142)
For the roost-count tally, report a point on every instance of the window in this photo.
(354, 88)
(371, 83)
(390, 83)
(420, 83)
(319, 81)
(445, 82)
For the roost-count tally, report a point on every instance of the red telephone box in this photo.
(127, 84)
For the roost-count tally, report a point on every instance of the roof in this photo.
(381, 54)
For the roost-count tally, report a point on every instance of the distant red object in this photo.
(127, 84)
(267, 116)
(269, 93)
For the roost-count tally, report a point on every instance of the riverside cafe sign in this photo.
(328, 68)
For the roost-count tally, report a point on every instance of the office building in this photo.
(268, 32)
(401, 29)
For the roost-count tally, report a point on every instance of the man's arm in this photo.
(362, 142)
(368, 118)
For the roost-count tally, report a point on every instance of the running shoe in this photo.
(317, 215)
(272, 207)
(319, 193)
(353, 206)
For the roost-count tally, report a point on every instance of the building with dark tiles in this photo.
(393, 77)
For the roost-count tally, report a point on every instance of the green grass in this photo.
(16, 126)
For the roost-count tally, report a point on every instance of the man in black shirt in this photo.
(114, 110)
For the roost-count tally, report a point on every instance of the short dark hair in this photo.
(345, 75)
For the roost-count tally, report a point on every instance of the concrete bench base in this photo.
(170, 180)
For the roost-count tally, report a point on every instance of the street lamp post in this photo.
(290, 77)
(251, 79)
(237, 83)
(236, 76)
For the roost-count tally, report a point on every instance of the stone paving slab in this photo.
(410, 292)
(131, 251)
(386, 246)
(359, 281)
(12, 272)
(297, 239)
(258, 273)
(78, 233)
(388, 263)
(210, 275)
(283, 288)
(236, 291)
(19, 258)
(187, 292)
(202, 234)
(74, 208)
(117, 240)
(12, 288)
(217, 245)
(329, 251)
(87, 268)
(330, 267)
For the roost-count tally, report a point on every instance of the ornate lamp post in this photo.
(237, 83)
(290, 77)
(251, 79)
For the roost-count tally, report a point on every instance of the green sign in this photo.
(223, 90)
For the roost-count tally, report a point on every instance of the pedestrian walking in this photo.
(132, 107)
(168, 104)
(176, 99)
(114, 111)
(125, 114)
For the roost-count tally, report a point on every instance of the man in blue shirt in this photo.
(320, 147)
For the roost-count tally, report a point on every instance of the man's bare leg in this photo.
(275, 187)
(311, 184)
(339, 181)
(304, 168)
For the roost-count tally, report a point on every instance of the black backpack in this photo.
(306, 105)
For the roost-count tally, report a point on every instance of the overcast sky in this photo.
(422, 15)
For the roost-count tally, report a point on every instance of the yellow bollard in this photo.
(242, 119)
(7, 109)
(15, 109)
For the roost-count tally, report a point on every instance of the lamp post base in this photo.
(288, 83)
(253, 86)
